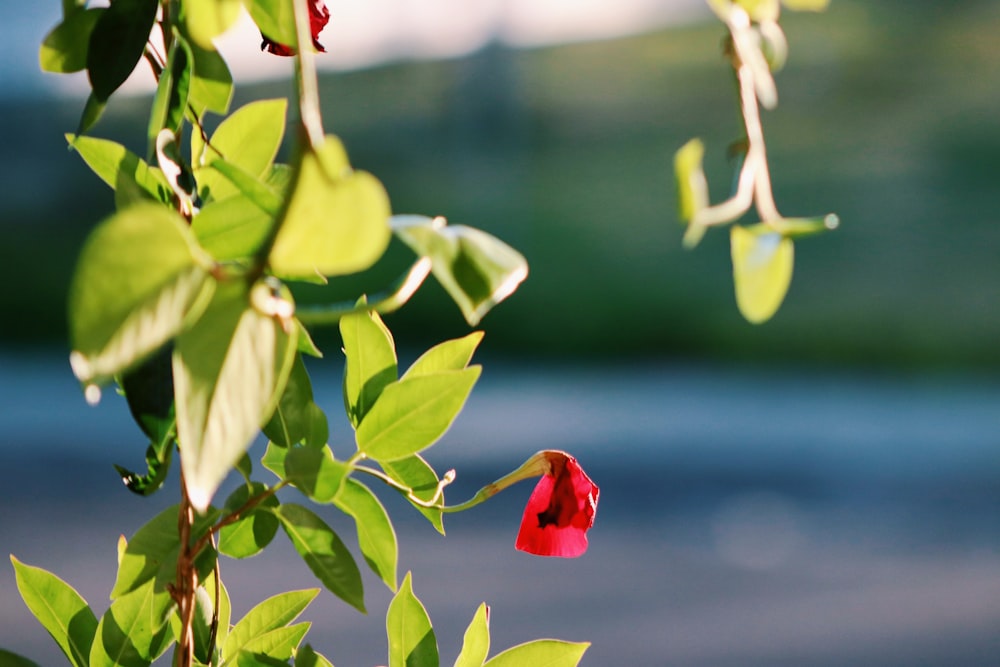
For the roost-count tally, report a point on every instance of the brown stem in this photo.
(214, 631)
(183, 591)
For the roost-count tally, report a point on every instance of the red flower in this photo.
(560, 510)
(319, 16)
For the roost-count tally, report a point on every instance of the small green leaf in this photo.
(157, 467)
(336, 221)
(60, 610)
(275, 19)
(274, 459)
(307, 657)
(255, 529)
(692, 189)
(541, 653)
(116, 43)
(230, 368)
(451, 355)
(315, 472)
(137, 278)
(8, 659)
(411, 637)
(248, 139)
(323, 552)
(205, 21)
(271, 614)
(231, 228)
(376, 536)
(211, 83)
(795, 228)
(112, 162)
(413, 413)
(171, 99)
(413, 472)
(477, 269)
(476, 645)
(92, 112)
(64, 49)
(257, 192)
(134, 631)
(297, 417)
(762, 270)
(370, 364)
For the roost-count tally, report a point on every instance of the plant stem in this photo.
(183, 591)
(385, 302)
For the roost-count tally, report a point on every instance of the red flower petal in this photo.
(560, 511)
(319, 16)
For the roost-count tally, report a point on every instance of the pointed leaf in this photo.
(307, 657)
(451, 355)
(477, 269)
(762, 271)
(276, 645)
(271, 614)
(205, 21)
(255, 529)
(376, 536)
(229, 370)
(411, 637)
(65, 48)
(211, 82)
(171, 99)
(112, 161)
(323, 552)
(134, 631)
(8, 659)
(297, 416)
(413, 413)
(370, 364)
(136, 280)
(92, 112)
(413, 472)
(60, 610)
(476, 645)
(117, 42)
(315, 472)
(249, 186)
(541, 653)
(336, 221)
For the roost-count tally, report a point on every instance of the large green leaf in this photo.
(211, 82)
(271, 614)
(230, 368)
(451, 355)
(314, 471)
(8, 659)
(206, 20)
(541, 653)
(371, 362)
(476, 644)
(376, 536)
(231, 228)
(138, 276)
(324, 552)
(762, 270)
(171, 99)
(255, 529)
(307, 657)
(134, 631)
(337, 220)
(413, 472)
(274, 647)
(297, 418)
(249, 139)
(411, 414)
(60, 610)
(477, 269)
(116, 43)
(112, 163)
(411, 637)
(275, 19)
(152, 552)
(65, 48)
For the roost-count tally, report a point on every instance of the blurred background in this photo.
(818, 491)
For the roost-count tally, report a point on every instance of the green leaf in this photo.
(171, 99)
(134, 631)
(415, 473)
(250, 187)
(796, 228)
(149, 391)
(116, 43)
(541, 653)
(255, 529)
(762, 270)
(692, 188)
(477, 269)
(211, 81)
(315, 472)
(371, 362)
(376, 536)
(276, 645)
(92, 112)
(152, 552)
(60, 610)
(413, 413)
(307, 657)
(275, 19)
(323, 552)
(451, 355)
(157, 467)
(231, 228)
(230, 368)
(64, 49)
(476, 645)
(8, 659)
(271, 614)
(137, 278)
(274, 459)
(297, 417)
(248, 139)
(112, 162)
(205, 21)
(336, 221)
(411, 637)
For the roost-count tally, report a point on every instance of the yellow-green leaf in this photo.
(762, 270)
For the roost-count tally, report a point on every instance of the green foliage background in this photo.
(888, 115)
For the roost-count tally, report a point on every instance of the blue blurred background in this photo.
(818, 491)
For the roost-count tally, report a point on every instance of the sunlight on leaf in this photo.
(762, 270)
(411, 636)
